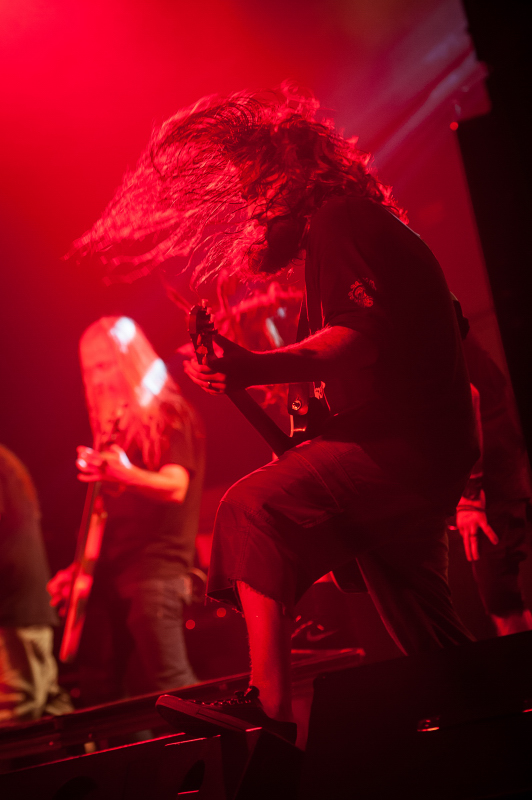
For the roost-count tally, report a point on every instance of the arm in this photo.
(169, 484)
(471, 510)
(317, 358)
(470, 519)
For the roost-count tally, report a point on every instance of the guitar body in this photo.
(307, 411)
(87, 553)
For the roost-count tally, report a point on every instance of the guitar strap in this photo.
(310, 321)
(303, 329)
(348, 578)
(299, 394)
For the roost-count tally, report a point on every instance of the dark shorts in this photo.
(319, 507)
(497, 570)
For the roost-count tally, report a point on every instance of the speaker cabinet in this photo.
(450, 724)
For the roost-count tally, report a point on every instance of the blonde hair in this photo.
(147, 401)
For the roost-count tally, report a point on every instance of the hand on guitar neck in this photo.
(236, 368)
(239, 368)
(60, 587)
(212, 374)
(229, 373)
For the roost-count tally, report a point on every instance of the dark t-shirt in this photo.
(145, 538)
(505, 466)
(24, 571)
(412, 411)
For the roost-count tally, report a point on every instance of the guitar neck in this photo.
(93, 490)
(279, 441)
(202, 331)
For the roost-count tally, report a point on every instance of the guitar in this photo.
(88, 546)
(307, 411)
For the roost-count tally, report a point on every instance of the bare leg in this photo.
(269, 631)
(513, 623)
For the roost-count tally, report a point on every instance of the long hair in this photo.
(141, 401)
(204, 167)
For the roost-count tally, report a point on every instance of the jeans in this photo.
(28, 675)
(133, 641)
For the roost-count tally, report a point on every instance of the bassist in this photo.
(151, 484)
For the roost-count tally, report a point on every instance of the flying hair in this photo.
(193, 191)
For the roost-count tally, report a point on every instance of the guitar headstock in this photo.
(201, 329)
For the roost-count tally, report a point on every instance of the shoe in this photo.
(242, 712)
(312, 636)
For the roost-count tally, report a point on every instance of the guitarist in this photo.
(378, 328)
(28, 669)
(151, 485)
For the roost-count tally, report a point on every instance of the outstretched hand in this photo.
(471, 520)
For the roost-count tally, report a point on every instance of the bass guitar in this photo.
(88, 547)
(307, 411)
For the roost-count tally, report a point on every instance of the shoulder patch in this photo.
(359, 293)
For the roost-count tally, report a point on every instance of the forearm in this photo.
(316, 358)
(164, 486)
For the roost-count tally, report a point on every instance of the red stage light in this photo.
(190, 624)
(453, 126)
(221, 612)
(431, 724)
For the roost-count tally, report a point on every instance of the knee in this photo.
(237, 505)
(243, 493)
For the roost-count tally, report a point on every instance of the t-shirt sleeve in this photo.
(346, 264)
(181, 450)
